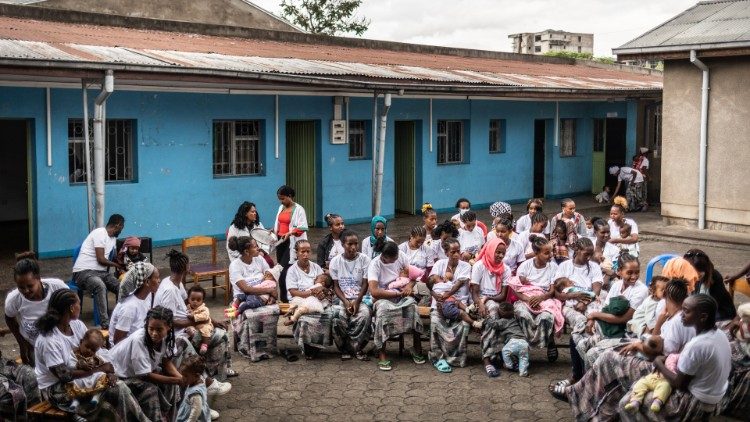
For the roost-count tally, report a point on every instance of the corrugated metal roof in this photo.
(710, 24)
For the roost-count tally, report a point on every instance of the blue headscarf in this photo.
(375, 220)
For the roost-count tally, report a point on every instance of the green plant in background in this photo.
(327, 17)
(580, 56)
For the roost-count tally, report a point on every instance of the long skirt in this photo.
(393, 319)
(681, 406)
(255, 332)
(593, 352)
(314, 330)
(448, 340)
(634, 195)
(18, 388)
(597, 395)
(158, 401)
(539, 329)
(736, 401)
(118, 399)
(218, 357)
(352, 332)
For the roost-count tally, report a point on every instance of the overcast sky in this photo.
(486, 24)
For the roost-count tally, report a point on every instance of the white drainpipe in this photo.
(704, 141)
(108, 86)
(87, 153)
(381, 155)
(374, 150)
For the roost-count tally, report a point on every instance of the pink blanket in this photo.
(552, 306)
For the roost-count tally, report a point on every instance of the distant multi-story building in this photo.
(552, 40)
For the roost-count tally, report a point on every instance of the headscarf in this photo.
(681, 268)
(487, 257)
(499, 208)
(134, 278)
(614, 170)
(131, 241)
(375, 220)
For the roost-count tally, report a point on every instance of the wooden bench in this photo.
(44, 411)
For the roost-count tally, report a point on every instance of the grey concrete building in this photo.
(552, 40)
(705, 144)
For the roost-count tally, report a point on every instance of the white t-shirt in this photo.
(540, 277)
(98, 238)
(614, 229)
(387, 273)
(583, 276)
(457, 217)
(514, 254)
(300, 280)
(131, 358)
(627, 173)
(336, 249)
(486, 280)
(708, 358)
(523, 224)
(635, 294)
(129, 315)
(27, 312)
(367, 247)
(235, 232)
(349, 274)
(471, 241)
(421, 257)
(56, 349)
(170, 297)
(251, 273)
(675, 334)
(462, 272)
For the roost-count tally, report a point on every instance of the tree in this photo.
(580, 56)
(327, 17)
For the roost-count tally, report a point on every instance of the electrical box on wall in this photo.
(338, 131)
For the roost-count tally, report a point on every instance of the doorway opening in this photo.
(540, 139)
(404, 163)
(614, 148)
(15, 198)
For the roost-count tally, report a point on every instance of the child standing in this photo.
(194, 405)
(198, 312)
(86, 358)
(516, 349)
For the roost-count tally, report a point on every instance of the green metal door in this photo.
(598, 156)
(404, 167)
(300, 165)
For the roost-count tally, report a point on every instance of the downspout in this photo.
(704, 141)
(48, 104)
(381, 154)
(108, 86)
(374, 149)
(276, 126)
(87, 153)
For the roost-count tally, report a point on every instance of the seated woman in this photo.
(144, 362)
(352, 319)
(700, 381)
(605, 253)
(488, 286)
(19, 389)
(470, 236)
(616, 221)
(331, 245)
(134, 301)
(596, 395)
(712, 283)
(533, 206)
(255, 329)
(170, 295)
(312, 332)
(60, 331)
(538, 325)
(515, 250)
(420, 256)
(444, 230)
(449, 278)
(681, 268)
(586, 275)
(373, 246)
(395, 310)
(27, 302)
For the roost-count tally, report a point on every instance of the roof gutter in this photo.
(703, 140)
(679, 48)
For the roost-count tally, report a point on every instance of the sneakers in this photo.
(214, 414)
(218, 388)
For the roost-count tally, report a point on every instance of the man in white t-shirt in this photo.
(90, 270)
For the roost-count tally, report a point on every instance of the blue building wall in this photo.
(175, 194)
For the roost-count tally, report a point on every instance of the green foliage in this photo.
(580, 56)
(327, 17)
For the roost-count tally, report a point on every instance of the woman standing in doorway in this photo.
(290, 226)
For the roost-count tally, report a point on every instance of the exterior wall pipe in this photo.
(49, 127)
(87, 153)
(557, 123)
(276, 127)
(374, 148)
(381, 154)
(430, 118)
(703, 141)
(108, 86)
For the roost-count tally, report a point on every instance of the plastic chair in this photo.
(74, 287)
(659, 259)
(200, 272)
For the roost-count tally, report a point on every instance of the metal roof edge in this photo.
(657, 26)
(651, 51)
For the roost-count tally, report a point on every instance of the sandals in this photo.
(346, 356)
(384, 365)
(443, 366)
(362, 356)
(552, 353)
(492, 372)
(559, 390)
(418, 358)
(231, 373)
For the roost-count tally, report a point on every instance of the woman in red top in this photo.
(290, 226)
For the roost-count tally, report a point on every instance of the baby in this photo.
(633, 249)
(654, 381)
(603, 196)
(565, 285)
(201, 315)
(130, 253)
(86, 358)
(451, 308)
(194, 405)
(743, 332)
(516, 349)
(415, 273)
(644, 317)
(244, 302)
(322, 296)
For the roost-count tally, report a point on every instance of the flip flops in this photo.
(443, 366)
(559, 390)
(492, 372)
(418, 359)
(384, 365)
(552, 353)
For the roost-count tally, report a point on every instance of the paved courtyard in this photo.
(329, 389)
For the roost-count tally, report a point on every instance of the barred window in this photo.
(237, 147)
(357, 140)
(450, 140)
(118, 150)
(567, 137)
(497, 135)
